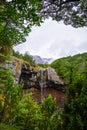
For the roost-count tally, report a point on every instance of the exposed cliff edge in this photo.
(34, 77)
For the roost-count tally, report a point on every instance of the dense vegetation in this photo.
(43, 65)
(17, 17)
(21, 112)
(74, 71)
(25, 57)
(73, 12)
(69, 67)
(18, 111)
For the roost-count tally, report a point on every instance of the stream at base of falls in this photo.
(59, 95)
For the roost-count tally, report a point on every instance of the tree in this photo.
(16, 19)
(25, 57)
(73, 12)
(75, 110)
(49, 111)
(27, 113)
(10, 96)
(29, 59)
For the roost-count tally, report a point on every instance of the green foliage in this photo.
(74, 116)
(75, 110)
(43, 65)
(29, 59)
(3, 57)
(22, 112)
(30, 115)
(27, 113)
(48, 106)
(17, 54)
(71, 12)
(7, 127)
(49, 112)
(18, 111)
(69, 67)
(9, 93)
(74, 89)
(25, 57)
(16, 19)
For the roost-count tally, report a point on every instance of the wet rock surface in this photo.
(43, 81)
(35, 77)
(42, 78)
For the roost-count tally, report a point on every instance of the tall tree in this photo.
(10, 95)
(16, 19)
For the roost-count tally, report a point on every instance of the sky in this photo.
(54, 40)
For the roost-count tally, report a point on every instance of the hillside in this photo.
(69, 67)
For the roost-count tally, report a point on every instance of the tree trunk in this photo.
(5, 51)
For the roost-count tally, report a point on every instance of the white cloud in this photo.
(55, 40)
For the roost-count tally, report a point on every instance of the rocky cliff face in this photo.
(34, 77)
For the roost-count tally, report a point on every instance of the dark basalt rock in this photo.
(27, 77)
(52, 84)
(31, 77)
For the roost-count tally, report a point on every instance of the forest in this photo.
(19, 111)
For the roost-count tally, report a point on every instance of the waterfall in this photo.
(42, 82)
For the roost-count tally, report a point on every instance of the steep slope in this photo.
(69, 67)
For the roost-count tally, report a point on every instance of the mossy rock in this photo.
(7, 127)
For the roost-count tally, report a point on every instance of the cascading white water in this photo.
(42, 82)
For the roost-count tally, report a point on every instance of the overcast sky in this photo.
(55, 40)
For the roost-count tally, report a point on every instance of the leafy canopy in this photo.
(73, 12)
(16, 19)
(18, 16)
